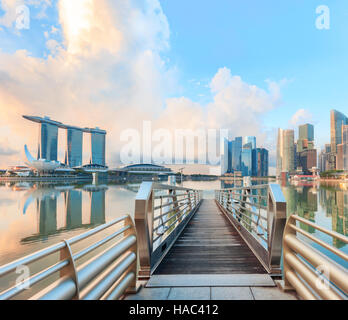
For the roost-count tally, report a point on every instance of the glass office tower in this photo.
(74, 147)
(306, 132)
(338, 120)
(48, 142)
(262, 162)
(246, 160)
(236, 150)
(98, 148)
(305, 137)
(251, 140)
(224, 157)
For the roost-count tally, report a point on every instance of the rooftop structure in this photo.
(147, 169)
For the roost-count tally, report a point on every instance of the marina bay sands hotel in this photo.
(48, 142)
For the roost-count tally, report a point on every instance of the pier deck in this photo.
(210, 261)
(210, 245)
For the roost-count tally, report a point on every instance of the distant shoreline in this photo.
(36, 179)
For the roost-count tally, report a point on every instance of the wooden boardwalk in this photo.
(209, 245)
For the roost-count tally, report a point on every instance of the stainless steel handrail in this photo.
(161, 213)
(108, 274)
(312, 274)
(259, 215)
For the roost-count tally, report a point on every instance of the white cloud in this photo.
(108, 71)
(9, 7)
(105, 72)
(302, 116)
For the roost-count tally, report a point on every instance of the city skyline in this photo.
(118, 75)
(241, 156)
(301, 156)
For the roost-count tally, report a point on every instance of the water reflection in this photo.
(335, 204)
(325, 205)
(46, 201)
(36, 215)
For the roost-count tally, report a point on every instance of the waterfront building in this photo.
(247, 160)
(307, 160)
(345, 147)
(262, 162)
(338, 120)
(305, 137)
(73, 155)
(98, 147)
(48, 142)
(285, 151)
(236, 154)
(305, 154)
(147, 169)
(339, 157)
(224, 157)
(252, 140)
(322, 161)
(244, 159)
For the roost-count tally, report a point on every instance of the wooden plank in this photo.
(210, 245)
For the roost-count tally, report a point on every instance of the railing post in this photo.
(143, 218)
(276, 220)
(189, 199)
(286, 267)
(133, 288)
(70, 270)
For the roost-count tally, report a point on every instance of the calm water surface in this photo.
(36, 215)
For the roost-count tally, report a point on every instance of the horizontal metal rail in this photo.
(161, 213)
(259, 215)
(311, 273)
(92, 280)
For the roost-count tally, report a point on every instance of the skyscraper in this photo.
(305, 137)
(239, 157)
(338, 120)
(305, 155)
(247, 160)
(251, 140)
(73, 156)
(262, 162)
(224, 157)
(236, 148)
(285, 151)
(48, 142)
(306, 132)
(345, 147)
(307, 160)
(98, 147)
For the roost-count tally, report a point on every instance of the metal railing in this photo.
(312, 273)
(259, 215)
(108, 267)
(161, 214)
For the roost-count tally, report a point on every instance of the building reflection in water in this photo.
(48, 216)
(304, 201)
(335, 203)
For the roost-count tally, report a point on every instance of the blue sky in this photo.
(259, 41)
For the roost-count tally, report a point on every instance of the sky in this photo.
(247, 66)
